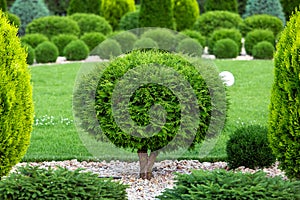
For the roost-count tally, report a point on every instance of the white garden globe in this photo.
(227, 78)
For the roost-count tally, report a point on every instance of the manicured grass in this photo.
(58, 138)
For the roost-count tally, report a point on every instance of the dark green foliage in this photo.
(53, 25)
(16, 104)
(145, 43)
(130, 21)
(262, 22)
(221, 184)
(201, 5)
(27, 11)
(114, 10)
(270, 7)
(284, 109)
(289, 7)
(263, 50)
(226, 48)
(91, 23)
(157, 13)
(195, 35)
(186, 13)
(228, 5)
(30, 53)
(61, 41)
(219, 34)
(256, 36)
(13, 19)
(46, 52)
(57, 7)
(10, 2)
(126, 39)
(34, 39)
(242, 6)
(107, 49)
(207, 23)
(3, 5)
(92, 39)
(84, 6)
(248, 146)
(39, 183)
(165, 38)
(190, 47)
(76, 50)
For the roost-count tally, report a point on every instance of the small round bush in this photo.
(30, 53)
(34, 39)
(263, 50)
(219, 34)
(195, 35)
(60, 183)
(76, 50)
(46, 52)
(14, 19)
(16, 104)
(107, 49)
(248, 146)
(145, 43)
(190, 47)
(126, 39)
(130, 21)
(226, 48)
(91, 23)
(165, 38)
(92, 39)
(62, 40)
(256, 36)
(186, 13)
(210, 21)
(53, 25)
(263, 21)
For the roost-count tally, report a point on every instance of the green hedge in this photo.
(34, 39)
(226, 48)
(76, 50)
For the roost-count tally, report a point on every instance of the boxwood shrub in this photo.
(195, 35)
(165, 38)
(46, 52)
(145, 43)
(190, 47)
(263, 50)
(130, 21)
(53, 25)
(107, 49)
(222, 184)
(93, 39)
(256, 36)
(62, 40)
(76, 50)
(226, 48)
(126, 39)
(34, 39)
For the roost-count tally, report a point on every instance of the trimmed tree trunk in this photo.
(146, 163)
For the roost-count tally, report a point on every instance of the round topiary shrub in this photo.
(76, 50)
(190, 47)
(92, 39)
(195, 35)
(210, 21)
(256, 36)
(27, 11)
(130, 21)
(13, 19)
(113, 10)
(165, 38)
(228, 5)
(46, 52)
(263, 50)
(226, 48)
(126, 39)
(249, 147)
(91, 23)
(84, 6)
(16, 107)
(262, 22)
(107, 49)
(53, 25)
(61, 41)
(145, 43)
(30, 53)
(34, 39)
(219, 34)
(186, 13)
(284, 108)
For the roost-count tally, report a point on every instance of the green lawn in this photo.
(55, 136)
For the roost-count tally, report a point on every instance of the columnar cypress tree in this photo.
(3, 5)
(228, 5)
(289, 7)
(157, 13)
(270, 7)
(284, 124)
(186, 13)
(84, 6)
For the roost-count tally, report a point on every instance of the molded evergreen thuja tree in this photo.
(185, 13)
(284, 127)
(16, 105)
(228, 5)
(84, 6)
(157, 13)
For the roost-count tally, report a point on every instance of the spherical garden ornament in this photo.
(16, 105)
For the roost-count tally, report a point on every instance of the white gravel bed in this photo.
(163, 172)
